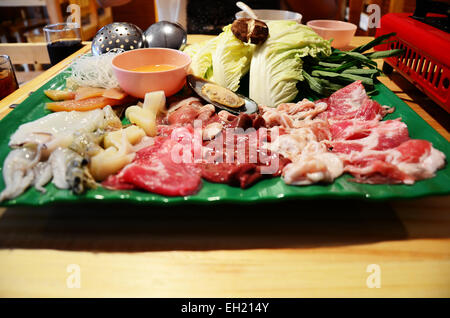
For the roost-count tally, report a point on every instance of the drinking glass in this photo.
(172, 11)
(8, 81)
(63, 39)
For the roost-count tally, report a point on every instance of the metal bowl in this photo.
(165, 34)
(117, 36)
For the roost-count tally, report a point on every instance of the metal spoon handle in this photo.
(241, 5)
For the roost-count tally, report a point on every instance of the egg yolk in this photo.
(154, 68)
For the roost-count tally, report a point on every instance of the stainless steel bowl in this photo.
(117, 36)
(165, 34)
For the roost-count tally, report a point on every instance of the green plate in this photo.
(266, 190)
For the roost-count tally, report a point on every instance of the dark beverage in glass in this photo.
(8, 81)
(63, 39)
(59, 50)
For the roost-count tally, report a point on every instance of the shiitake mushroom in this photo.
(250, 30)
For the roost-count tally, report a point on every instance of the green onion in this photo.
(384, 54)
(328, 74)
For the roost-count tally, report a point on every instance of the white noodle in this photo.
(95, 71)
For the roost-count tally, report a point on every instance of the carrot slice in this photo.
(88, 92)
(114, 93)
(57, 95)
(83, 105)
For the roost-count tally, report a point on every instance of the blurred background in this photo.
(22, 20)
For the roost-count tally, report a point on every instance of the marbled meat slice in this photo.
(352, 102)
(350, 136)
(184, 112)
(154, 170)
(291, 115)
(183, 115)
(413, 160)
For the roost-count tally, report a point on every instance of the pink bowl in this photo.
(341, 32)
(140, 83)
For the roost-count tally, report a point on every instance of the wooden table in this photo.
(295, 249)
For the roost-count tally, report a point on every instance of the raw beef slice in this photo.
(154, 170)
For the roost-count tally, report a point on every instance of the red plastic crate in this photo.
(427, 55)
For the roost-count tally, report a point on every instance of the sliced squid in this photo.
(70, 171)
(18, 172)
(42, 175)
(57, 129)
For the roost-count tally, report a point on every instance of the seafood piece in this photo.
(145, 116)
(57, 95)
(18, 171)
(57, 129)
(114, 93)
(119, 151)
(115, 157)
(58, 164)
(221, 97)
(133, 133)
(112, 121)
(84, 104)
(70, 171)
(87, 144)
(42, 175)
(88, 92)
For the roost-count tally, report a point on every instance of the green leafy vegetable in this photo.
(230, 59)
(373, 43)
(383, 54)
(293, 57)
(277, 64)
(201, 55)
(326, 75)
(224, 59)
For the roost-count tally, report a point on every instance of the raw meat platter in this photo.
(269, 189)
(273, 115)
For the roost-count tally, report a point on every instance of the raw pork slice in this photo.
(291, 115)
(154, 170)
(311, 161)
(361, 136)
(411, 161)
(352, 102)
(184, 112)
(313, 167)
